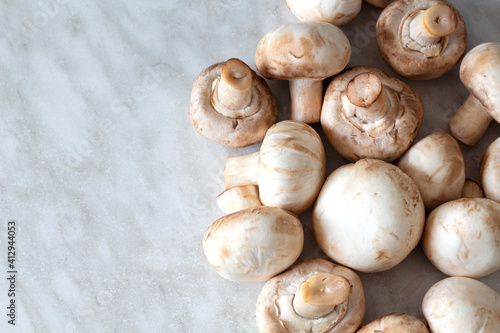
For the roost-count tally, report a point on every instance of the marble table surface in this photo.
(111, 188)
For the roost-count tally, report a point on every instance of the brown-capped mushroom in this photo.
(231, 104)
(368, 216)
(289, 168)
(315, 295)
(472, 189)
(254, 244)
(238, 198)
(378, 3)
(421, 39)
(462, 237)
(367, 114)
(437, 166)
(338, 12)
(305, 53)
(490, 171)
(460, 304)
(395, 322)
(480, 74)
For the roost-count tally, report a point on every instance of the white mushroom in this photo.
(395, 323)
(313, 296)
(490, 171)
(471, 189)
(232, 105)
(238, 198)
(480, 74)
(289, 168)
(421, 39)
(367, 114)
(305, 53)
(378, 3)
(254, 244)
(462, 237)
(338, 12)
(459, 304)
(368, 216)
(437, 166)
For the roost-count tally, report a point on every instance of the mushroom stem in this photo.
(241, 170)
(367, 93)
(429, 25)
(239, 198)
(306, 100)
(472, 189)
(470, 121)
(318, 295)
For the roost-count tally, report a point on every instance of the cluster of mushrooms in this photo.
(369, 214)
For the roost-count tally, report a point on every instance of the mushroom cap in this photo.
(292, 166)
(231, 132)
(461, 237)
(302, 50)
(395, 322)
(460, 304)
(480, 73)
(490, 171)
(338, 12)
(351, 140)
(436, 164)
(253, 244)
(368, 216)
(409, 63)
(287, 283)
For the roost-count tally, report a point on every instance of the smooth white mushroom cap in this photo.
(395, 323)
(462, 237)
(368, 216)
(490, 171)
(254, 244)
(462, 305)
(338, 12)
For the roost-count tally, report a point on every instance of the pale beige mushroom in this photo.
(459, 304)
(368, 216)
(490, 171)
(338, 12)
(238, 198)
(462, 237)
(395, 323)
(289, 168)
(437, 166)
(421, 39)
(471, 189)
(231, 104)
(367, 114)
(378, 3)
(480, 74)
(315, 295)
(254, 244)
(305, 53)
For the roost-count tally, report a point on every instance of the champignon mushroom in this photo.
(315, 295)
(238, 198)
(471, 189)
(367, 114)
(395, 322)
(490, 171)
(305, 53)
(480, 74)
(338, 12)
(254, 244)
(462, 237)
(436, 164)
(460, 304)
(289, 168)
(421, 39)
(378, 3)
(368, 216)
(232, 105)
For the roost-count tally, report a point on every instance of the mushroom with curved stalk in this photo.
(368, 216)
(480, 74)
(338, 12)
(395, 322)
(378, 3)
(254, 244)
(437, 166)
(289, 168)
(305, 53)
(232, 105)
(315, 295)
(461, 237)
(471, 189)
(421, 39)
(238, 198)
(460, 304)
(367, 114)
(490, 171)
